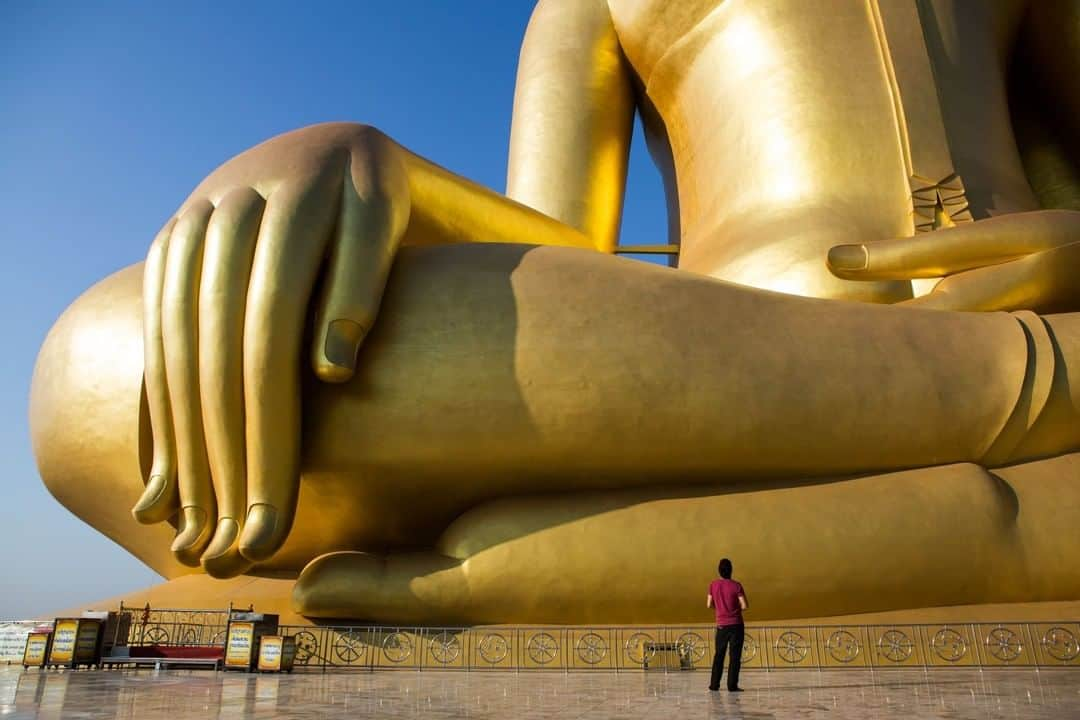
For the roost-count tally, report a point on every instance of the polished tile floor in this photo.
(149, 695)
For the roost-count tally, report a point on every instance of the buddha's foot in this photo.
(948, 535)
(423, 588)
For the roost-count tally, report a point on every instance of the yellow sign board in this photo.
(238, 645)
(63, 645)
(276, 653)
(37, 646)
(270, 653)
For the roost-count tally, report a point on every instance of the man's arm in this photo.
(743, 603)
(708, 601)
(573, 118)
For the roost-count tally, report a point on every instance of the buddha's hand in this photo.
(1026, 261)
(228, 292)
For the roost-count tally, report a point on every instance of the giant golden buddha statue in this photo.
(424, 401)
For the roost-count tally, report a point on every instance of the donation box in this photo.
(37, 649)
(242, 639)
(75, 642)
(277, 653)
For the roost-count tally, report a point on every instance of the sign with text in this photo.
(75, 642)
(288, 653)
(36, 649)
(63, 645)
(13, 639)
(239, 645)
(86, 642)
(270, 653)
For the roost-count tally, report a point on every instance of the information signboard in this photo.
(36, 650)
(288, 653)
(242, 639)
(76, 641)
(270, 653)
(13, 638)
(63, 644)
(238, 645)
(276, 653)
(86, 642)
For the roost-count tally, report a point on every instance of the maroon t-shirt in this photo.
(725, 599)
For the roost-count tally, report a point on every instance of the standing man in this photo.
(729, 599)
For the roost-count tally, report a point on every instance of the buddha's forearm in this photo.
(586, 370)
(447, 208)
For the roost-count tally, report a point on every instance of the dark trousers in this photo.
(733, 634)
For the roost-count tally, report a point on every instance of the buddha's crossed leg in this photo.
(941, 535)
(950, 535)
(503, 371)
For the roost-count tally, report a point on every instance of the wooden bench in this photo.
(166, 656)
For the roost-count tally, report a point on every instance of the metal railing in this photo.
(171, 627)
(610, 648)
(780, 647)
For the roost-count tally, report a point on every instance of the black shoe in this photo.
(734, 689)
(713, 689)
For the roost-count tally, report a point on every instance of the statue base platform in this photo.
(992, 635)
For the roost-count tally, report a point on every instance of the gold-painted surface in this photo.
(495, 422)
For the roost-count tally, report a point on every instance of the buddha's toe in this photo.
(399, 588)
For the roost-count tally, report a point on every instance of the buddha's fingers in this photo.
(374, 213)
(957, 249)
(158, 501)
(179, 322)
(230, 247)
(1044, 282)
(296, 225)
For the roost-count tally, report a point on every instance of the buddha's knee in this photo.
(87, 415)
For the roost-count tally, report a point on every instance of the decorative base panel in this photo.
(673, 649)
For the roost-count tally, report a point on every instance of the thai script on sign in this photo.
(13, 639)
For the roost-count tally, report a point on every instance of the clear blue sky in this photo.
(109, 116)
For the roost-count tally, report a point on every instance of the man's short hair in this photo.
(725, 569)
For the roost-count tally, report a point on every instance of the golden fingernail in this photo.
(192, 525)
(342, 342)
(258, 536)
(151, 494)
(849, 257)
(227, 530)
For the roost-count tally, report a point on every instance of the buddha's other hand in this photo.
(227, 290)
(1026, 261)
